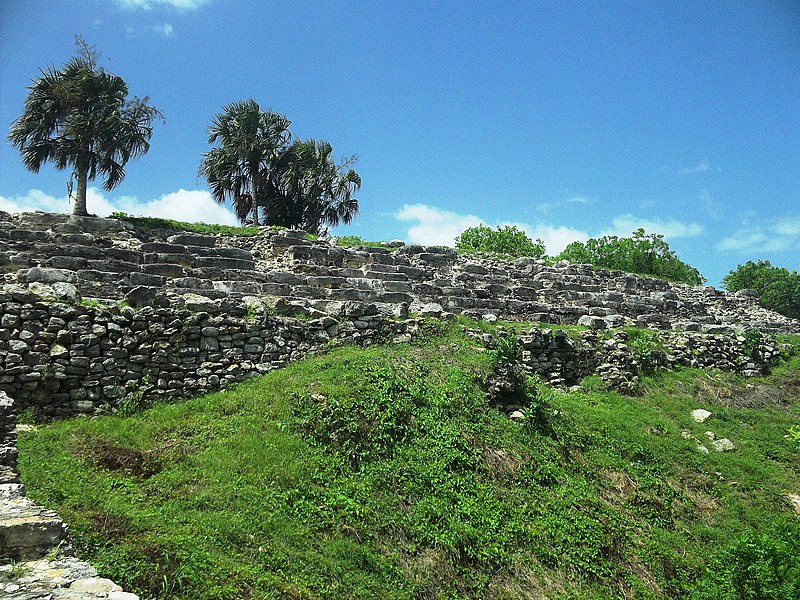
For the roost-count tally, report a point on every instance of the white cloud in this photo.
(546, 207)
(624, 225)
(789, 225)
(698, 168)
(434, 226)
(164, 29)
(149, 4)
(183, 205)
(555, 237)
(130, 32)
(709, 204)
(778, 236)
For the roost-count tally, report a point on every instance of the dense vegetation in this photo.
(384, 472)
(642, 253)
(507, 240)
(80, 116)
(778, 288)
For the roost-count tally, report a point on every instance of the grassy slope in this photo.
(382, 473)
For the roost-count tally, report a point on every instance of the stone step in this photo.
(27, 530)
(220, 262)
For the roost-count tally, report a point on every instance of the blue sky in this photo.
(570, 119)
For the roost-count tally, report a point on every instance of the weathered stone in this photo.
(723, 445)
(701, 415)
(46, 275)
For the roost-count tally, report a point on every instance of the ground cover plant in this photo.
(384, 472)
(202, 228)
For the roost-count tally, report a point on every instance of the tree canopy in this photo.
(642, 253)
(263, 172)
(243, 166)
(80, 116)
(778, 288)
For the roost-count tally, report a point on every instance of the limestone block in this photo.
(46, 275)
(192, 239)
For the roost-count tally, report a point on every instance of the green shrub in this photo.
(778, 288)
(793, 434)
(757, 566)
(504, 240)
(642, 253)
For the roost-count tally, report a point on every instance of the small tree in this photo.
(313, 191)
(503, 240)
(243, 167)
(778, 288)
(80, 116)
(646, 254)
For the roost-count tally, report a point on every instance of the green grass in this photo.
(382, 473)
(354, 241)
(202, 228)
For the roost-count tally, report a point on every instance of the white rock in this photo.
(122, 596)
(700, 415)
(794, 500)
(723, 445)
(710, 435)
(702, 449)
(517, 415)
(94, 584)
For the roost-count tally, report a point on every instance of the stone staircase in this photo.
(36, 561)
(112, 260)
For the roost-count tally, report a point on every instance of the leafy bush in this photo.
(504, 240)
(647, 349)
(757, 566)
(778, 288)
(793, 434)
(642, 253)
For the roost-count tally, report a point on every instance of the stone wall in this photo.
(201, 311)
(62, 360)
(60, 257)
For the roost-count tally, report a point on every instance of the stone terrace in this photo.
(66, 258)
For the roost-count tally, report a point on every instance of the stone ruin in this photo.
(98, 314)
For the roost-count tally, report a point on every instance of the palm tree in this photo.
(79, 116)
(313, 190)
(242, 167)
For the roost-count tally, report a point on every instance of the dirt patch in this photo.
(102, 454)
(141, 463)
(621, 489)
(110, 526)
(430, 570)
(730, 394)
(134, 461)
(500, 463)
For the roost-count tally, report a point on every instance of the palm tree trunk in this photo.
(80, 197)
(255, 201)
